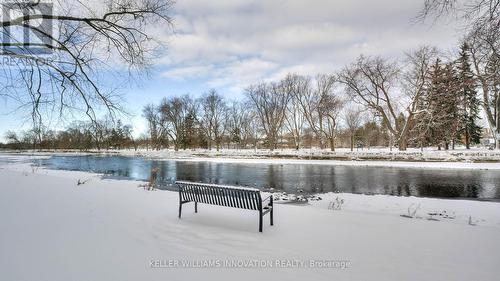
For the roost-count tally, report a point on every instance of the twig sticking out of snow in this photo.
(336, 204)
(471, 222)
(443, 215)
(82, 182)
(412, 211)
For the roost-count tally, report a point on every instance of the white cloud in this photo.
(232, 43)
(242, 72)
(183, 73)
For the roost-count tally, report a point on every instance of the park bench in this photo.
(221, 195)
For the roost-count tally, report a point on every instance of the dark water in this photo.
(293, 178)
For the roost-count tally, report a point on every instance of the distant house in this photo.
(487, 139)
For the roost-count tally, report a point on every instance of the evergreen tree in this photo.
(450, 103)
(432, 129)
(438, 123)
(188, 132)
(469, 110)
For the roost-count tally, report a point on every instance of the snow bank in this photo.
(342, 154)
(473, 159)
(53, 229)
(396, 164)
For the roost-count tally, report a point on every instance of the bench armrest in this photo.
(267, 198)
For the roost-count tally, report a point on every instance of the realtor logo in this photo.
(23, 36)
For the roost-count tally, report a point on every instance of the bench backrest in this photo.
(236, 197)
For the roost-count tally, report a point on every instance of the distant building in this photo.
(487, 139)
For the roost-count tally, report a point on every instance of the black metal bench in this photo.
(221, 195)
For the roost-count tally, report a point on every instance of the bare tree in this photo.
(373, 81)
(352, 118)
(174, 112)
(213, 116)
(83, 37)
(152, 115)
(239, 124)
(329, 107)
(415, 81)
(270, 102)
(250, 126)
(486, 68)
(370, 82)
(479, 16)
(12, 138)
(320, 107)
(294, 119)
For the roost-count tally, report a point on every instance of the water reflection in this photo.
(294, 178)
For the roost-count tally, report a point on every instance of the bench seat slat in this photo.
(207, 196)
(254, 201)
(242, 201)
(192, 193)
(222, 196)
(234, 196)
(246, 200)
(251, 200)
(238, 196)
(201, 195)
(215, 196)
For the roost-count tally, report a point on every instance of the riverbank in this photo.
(54, 229)
(341, 155)
(412, 158)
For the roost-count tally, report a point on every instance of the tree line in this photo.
(421, 101)
(84, 136)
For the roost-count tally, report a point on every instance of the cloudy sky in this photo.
(229, 44)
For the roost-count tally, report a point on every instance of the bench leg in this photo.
(180, 209)
(196, 207)
(272, 210)
(260, 221)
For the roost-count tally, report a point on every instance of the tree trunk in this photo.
(352, 142)
(497, 113)
(467, 140)
(332, 144)
(403, 144)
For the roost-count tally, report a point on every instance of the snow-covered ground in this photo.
(53, 229)
(342, 154)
